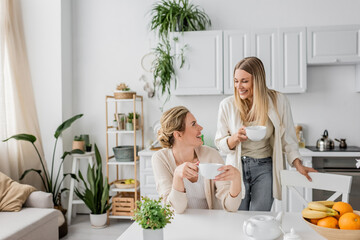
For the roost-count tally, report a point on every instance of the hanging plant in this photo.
(172, 16)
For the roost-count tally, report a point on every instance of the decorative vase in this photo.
(98, 220)
(86, 138)
(149, 234)
(78, 145)
(129, 126)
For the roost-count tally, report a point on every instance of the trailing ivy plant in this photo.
(172, 16)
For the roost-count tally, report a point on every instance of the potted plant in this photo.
(172, 16)
(152, 216)
(123, 92)
(96, 193)
(131, 118)
(51, 180)
(78, 143)
(129, 124)
(88, 147)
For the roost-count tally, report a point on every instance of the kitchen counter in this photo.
(308, 153)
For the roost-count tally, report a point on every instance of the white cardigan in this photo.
(283, 140)
(217, 192)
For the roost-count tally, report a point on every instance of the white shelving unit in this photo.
(112, 133)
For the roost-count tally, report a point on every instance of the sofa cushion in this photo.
(13, 194)
(30, 224)
(39, 199)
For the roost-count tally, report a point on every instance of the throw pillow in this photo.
(13, 194)
(39, 199)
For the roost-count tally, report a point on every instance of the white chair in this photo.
(340, 184)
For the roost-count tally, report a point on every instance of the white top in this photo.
(258, 149)
(195, 193)
(203, 224)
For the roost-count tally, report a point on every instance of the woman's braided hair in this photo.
(171, 120)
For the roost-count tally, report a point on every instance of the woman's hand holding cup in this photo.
(231, 174)
(236, 138)
(187, 170)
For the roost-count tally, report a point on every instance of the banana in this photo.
(327, 203)
(314, 214)
(320, 207)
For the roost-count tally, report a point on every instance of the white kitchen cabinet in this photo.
(236, 47)
(147, 180)
(212, 55)
(264, 45)
(333, 44)
(202, 73)
(292, 60)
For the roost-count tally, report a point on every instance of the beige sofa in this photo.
(37, 220)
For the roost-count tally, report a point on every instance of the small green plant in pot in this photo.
(96, 193)
(78, 143)
(152, 216)
(130, 119)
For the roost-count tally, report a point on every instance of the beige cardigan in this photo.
(217, 193)
(283, 141)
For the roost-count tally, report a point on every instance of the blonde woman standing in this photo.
(259, 162)
(176, 167)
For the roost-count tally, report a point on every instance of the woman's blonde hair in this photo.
(171, 120)
(259, 109)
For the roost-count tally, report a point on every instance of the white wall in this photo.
(110, 37)
(42, 23)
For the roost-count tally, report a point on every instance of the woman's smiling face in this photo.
(243, 82)
(192, 134)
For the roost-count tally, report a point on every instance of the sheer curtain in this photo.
(17, 103)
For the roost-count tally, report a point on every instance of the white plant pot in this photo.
(149, 234)
(98, 220)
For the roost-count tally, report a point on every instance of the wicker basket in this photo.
(123, 94)
(123, 204)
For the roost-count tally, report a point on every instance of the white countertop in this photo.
(303, 151)
(203, 224)
(308, 153)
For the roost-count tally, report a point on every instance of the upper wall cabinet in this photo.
(335, 44)
(236, 47)
(264, 45)
(202, 73)
(212, 55)
(292, 60)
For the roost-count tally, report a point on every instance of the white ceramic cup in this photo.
(209, 170)
(255, 133)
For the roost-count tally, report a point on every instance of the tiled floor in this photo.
(80, 229)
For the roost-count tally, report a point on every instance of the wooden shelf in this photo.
(123, 131)
(114, 162)
(124, 189)
(116, 136)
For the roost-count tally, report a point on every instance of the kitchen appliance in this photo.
(342, 142)
(343, 166)
(325, 142)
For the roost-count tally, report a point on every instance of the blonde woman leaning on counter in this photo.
(259, 162)
(176, 167)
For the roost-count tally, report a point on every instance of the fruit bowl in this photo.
(336, 234)
(125, 184)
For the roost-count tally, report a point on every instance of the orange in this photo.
(314, 221)
(350, 221)
(342, 207)
(328, 222)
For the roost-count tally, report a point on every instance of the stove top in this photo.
(336, 149)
